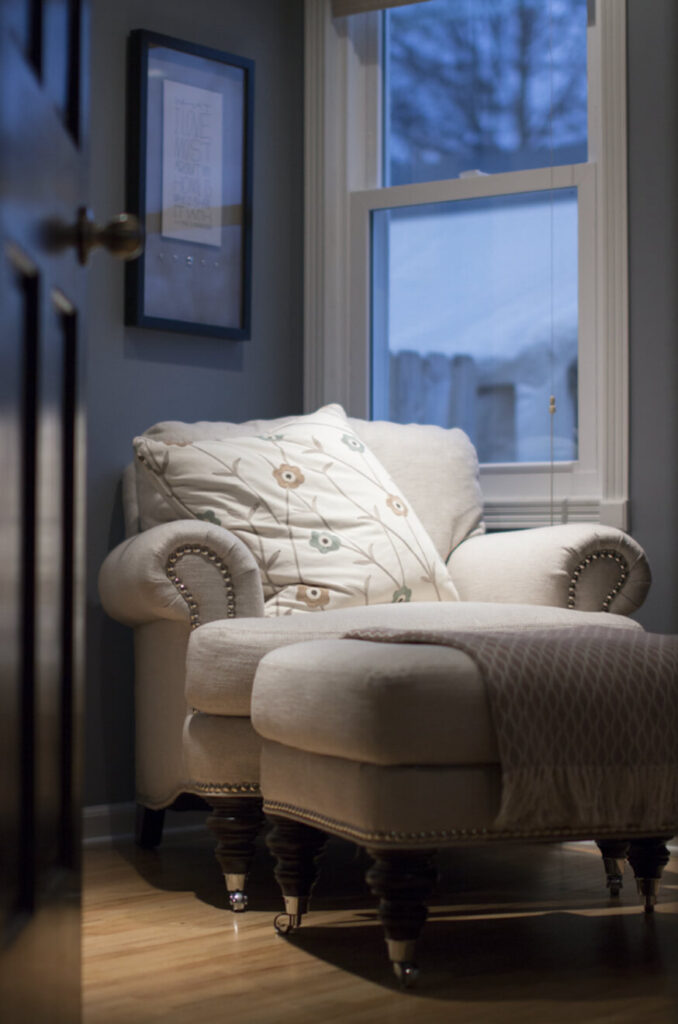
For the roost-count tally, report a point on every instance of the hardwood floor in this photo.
(515, 934)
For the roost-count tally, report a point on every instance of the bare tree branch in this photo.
(498, 83)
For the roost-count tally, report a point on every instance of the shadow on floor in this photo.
(556, 956)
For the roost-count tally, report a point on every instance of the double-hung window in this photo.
(466, 236)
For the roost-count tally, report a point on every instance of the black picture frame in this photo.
(189, 180)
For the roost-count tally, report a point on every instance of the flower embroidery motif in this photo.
(324, 542)
(314, 598)
(209, 517)
(397, 505)
(402, 595)
(352, 442)
(288, 476)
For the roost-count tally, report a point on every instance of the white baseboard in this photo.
(103, 823)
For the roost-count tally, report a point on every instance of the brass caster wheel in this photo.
(237, 901)
(406, 973)
(290, 920)
(285, 924)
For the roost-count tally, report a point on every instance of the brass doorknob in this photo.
(123, 236)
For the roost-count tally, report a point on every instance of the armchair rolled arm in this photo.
(578, 565)
(188, 571)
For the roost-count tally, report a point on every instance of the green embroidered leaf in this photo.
(209, 517)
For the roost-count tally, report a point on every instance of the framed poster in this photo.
(189, 180)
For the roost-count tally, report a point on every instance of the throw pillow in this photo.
(322, 517)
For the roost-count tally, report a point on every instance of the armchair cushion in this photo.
(323, 519)
(222, 656)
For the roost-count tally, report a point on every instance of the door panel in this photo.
(18, 293)
(42, 176)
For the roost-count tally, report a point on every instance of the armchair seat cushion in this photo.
(223, 655)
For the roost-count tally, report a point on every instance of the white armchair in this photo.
(193, 592)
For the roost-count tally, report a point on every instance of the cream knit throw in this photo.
(586, 722)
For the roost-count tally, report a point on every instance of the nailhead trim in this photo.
(453, 834)
(623, 576)
(175, 579)
(227, 787)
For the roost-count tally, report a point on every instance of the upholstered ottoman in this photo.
(393, 746)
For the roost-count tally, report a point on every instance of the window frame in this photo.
(343, 171)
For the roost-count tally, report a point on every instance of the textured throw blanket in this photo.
(586, 722)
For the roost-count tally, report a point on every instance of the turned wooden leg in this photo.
(235, 822)
(403, 880)
(614, 853)
(297, 849)
(648, 857)
(148, 827)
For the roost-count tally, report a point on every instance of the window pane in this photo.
(474, 321)
(489, 85)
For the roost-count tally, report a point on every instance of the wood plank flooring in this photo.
(515, 935)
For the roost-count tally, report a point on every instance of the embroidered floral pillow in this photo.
(323, 519)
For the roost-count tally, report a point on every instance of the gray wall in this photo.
(653, 269)
(137, 377)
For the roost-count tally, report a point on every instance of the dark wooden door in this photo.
(42, 178)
